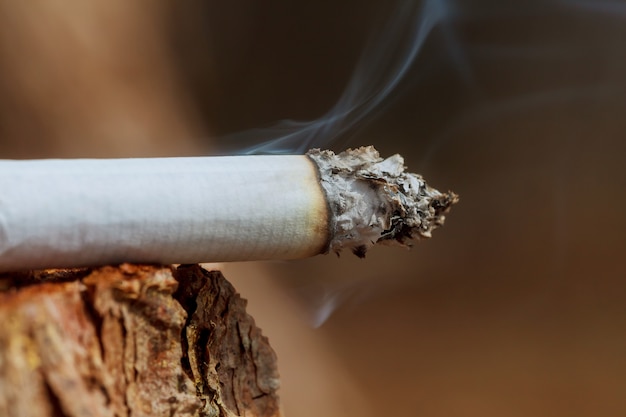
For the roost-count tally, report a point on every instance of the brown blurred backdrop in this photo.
(515, 308)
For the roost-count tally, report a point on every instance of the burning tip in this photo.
(373, 200)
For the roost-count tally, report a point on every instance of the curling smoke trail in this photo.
(388, 58)
(383, 65)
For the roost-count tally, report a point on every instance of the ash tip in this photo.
(419, 223)
(441, 205)
(374, 201)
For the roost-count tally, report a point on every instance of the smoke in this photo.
(384, 63)
(388, 63)
(323, 298)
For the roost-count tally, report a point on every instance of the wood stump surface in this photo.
(131, 340)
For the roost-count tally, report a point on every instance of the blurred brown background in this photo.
(515, 308)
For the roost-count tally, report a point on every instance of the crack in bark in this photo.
(226, 362)
(56, 410)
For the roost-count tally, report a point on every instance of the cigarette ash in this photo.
(373, 200)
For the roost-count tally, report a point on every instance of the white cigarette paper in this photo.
(86, 212)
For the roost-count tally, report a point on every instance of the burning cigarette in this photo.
(84, 212)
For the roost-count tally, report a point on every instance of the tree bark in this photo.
(131, 340)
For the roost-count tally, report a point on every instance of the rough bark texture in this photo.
(131, 341)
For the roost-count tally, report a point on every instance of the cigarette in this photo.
(87, 212)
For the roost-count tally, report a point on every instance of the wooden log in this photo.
(131, 340)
